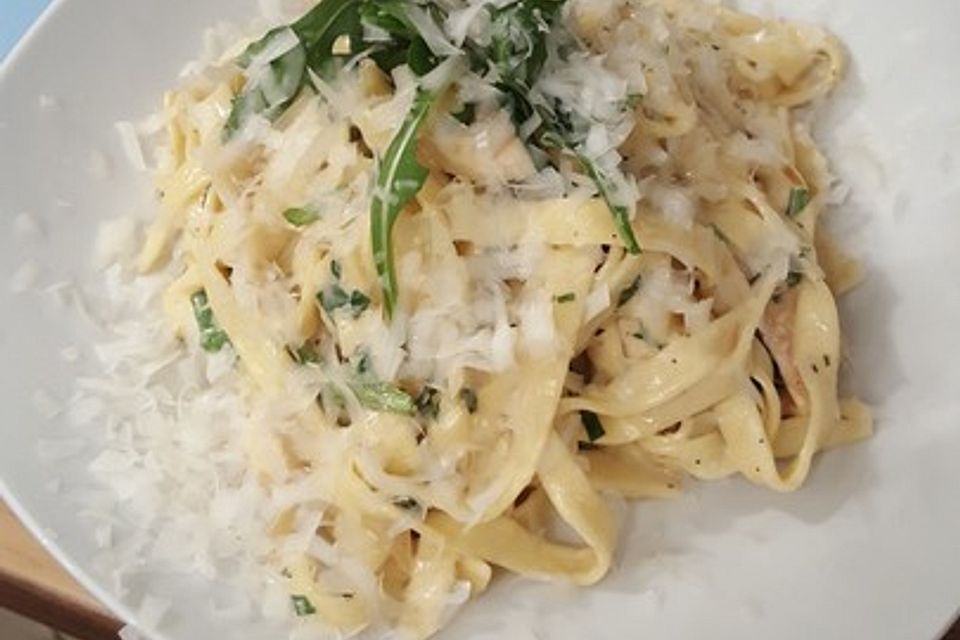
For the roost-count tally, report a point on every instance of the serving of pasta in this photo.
(476, 265)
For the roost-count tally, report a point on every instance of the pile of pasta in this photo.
(548, 365)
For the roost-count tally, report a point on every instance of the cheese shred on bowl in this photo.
(429, 282)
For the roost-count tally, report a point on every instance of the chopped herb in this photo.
(628, 293)
(428, 402)
(336, 269)
(363, 364)
(570, 296)
(798, 201)
(300, 217)
(333, 298)
(306, 355)
(592, 425)
(212, 337)
(638, 335)
(753, 279)
(717, 231)
(358, 303)
(826, 360)
(634, 100)
(383, 396)
(302, 606)
(794, 278)
(400, 176)
(586, 446)
(469, 398)
(406, 502)
(468, 115)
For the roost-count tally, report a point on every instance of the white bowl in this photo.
(870, 548)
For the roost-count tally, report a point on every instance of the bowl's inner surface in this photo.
(867, 549)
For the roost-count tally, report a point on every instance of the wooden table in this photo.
(33, 584)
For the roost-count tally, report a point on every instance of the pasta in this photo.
(455, 331)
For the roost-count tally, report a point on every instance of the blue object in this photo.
(16, 16)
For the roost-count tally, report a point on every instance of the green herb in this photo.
(279, 85)
(300, 217)
(467, 115)
(469, 398)
(358, 303)
(399, 179)
(798, 201)
(212, 337)
(570, 296)
(518, 44)
(627, 294)
(586, 446)
(406, 502)
(305, 354)
(428, 402)
(336, 269)
(389, 16)
(794, 278)
(420, 58)
(638, 335)
(592, 425)
(634, 100)
(284, 77)
(383, 396)
(332, 298)
(363, 364)
(720, 234)
(302, 606)
(621, 214)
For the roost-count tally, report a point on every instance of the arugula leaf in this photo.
(797, 202)
(570, 296)
(399, 178)
(320, 27)
(284, 77)
(557, 131)
(390, 16)
(383, 396)
(212, 337)
(420, 58)
(300, 217)
(278, 86)
(621, 215)
(518, 46)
